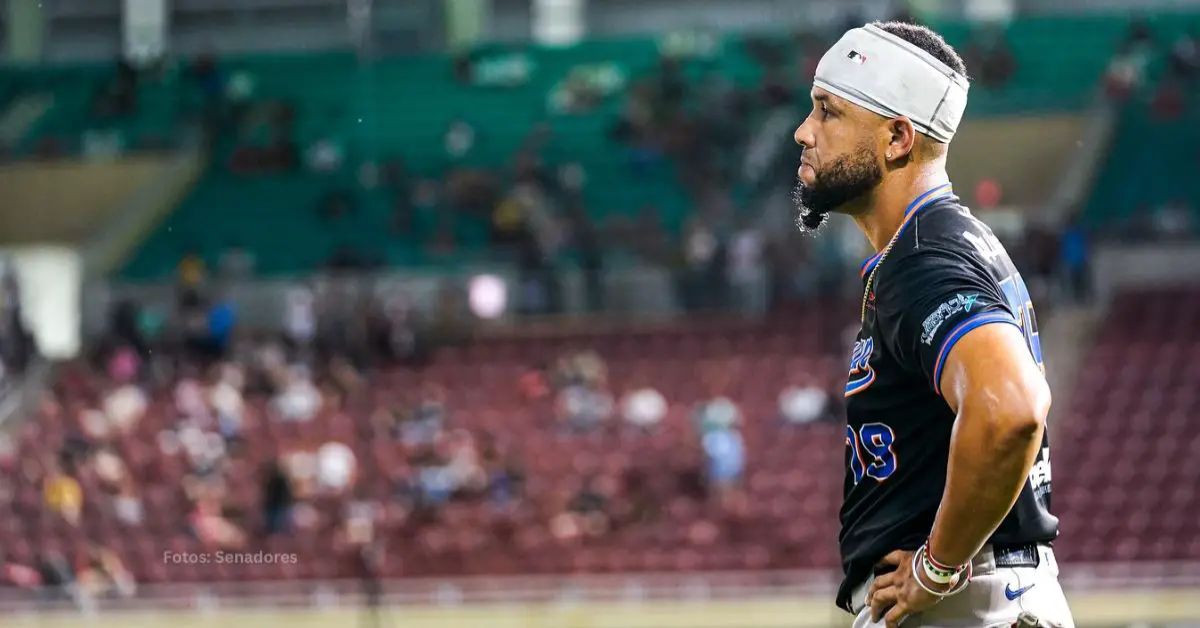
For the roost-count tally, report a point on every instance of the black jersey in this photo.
(945, 275)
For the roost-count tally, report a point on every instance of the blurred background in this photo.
(491, 312)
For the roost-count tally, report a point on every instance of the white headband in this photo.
(879, 71)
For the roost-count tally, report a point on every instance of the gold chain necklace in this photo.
(871, 278)
(887, 249)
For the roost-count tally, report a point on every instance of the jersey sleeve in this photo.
(929, 300)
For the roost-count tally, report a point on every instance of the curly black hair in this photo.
(927, 40)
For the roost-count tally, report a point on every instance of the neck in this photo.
(883, 209)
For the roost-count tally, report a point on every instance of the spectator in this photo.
(17, 345)
(463, 462)
(586, 512)
(194, 323)
(109, 469)
(505, 477)
(127, 505)
(533, 384)
(336, 467)
(63, 495)
(591, 259)
(103, 574)
(124, 327)
(1174, 220)
(212, 528)
(701, 253)
(722, 443)
(324, 156)
(804, 403)
(644, 407)
(124, 407)
(277, 499)
(225, 398)
(459, 139)
(124, 364)
(190, 274)
(300, 318)
(1127, 68)
(205, 450)
(434, 479)
(396, 332)
(57, 576)
(19, 575)
(299, 399)
(747, 271)
(583, 407)
(222, 317)
(1185, 56)
(190, 401)
(424, 424)
(1075, 255)
(300, 466)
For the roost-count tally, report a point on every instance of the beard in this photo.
(846, 179)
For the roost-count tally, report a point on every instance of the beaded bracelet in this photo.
(958, 583)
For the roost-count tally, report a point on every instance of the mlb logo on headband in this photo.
(908, 82)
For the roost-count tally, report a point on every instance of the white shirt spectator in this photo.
(300, 400)
(125, 406)
(700, 245)
(189, 399)
(128, 509)
(204, 449)
(644, 407)
(335, 465)
(463, 465)
(227, 400)
(585, 407)
(299, 317)
(109, 467)
(802, 404)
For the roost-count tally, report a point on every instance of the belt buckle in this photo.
(1017, 556)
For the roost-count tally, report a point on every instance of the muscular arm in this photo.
(1001, 399)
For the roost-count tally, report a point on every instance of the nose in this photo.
(803, 135)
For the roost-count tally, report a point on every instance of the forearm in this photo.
(991, 453)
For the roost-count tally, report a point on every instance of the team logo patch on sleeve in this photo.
(957, 303)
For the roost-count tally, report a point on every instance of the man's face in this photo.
(838, 163)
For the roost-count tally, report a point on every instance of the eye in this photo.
(824, 111)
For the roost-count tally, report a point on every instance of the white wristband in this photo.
(961, 580)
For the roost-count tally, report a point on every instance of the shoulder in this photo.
(932, 277)
(944, 238)
(945, 224)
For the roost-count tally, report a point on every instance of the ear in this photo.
(902, 139)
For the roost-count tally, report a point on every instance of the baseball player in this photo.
(946, 519)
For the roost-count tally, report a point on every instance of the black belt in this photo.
(1017, 555)
(1026, 555)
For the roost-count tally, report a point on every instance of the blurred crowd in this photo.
(723, 143)
(347, 456)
